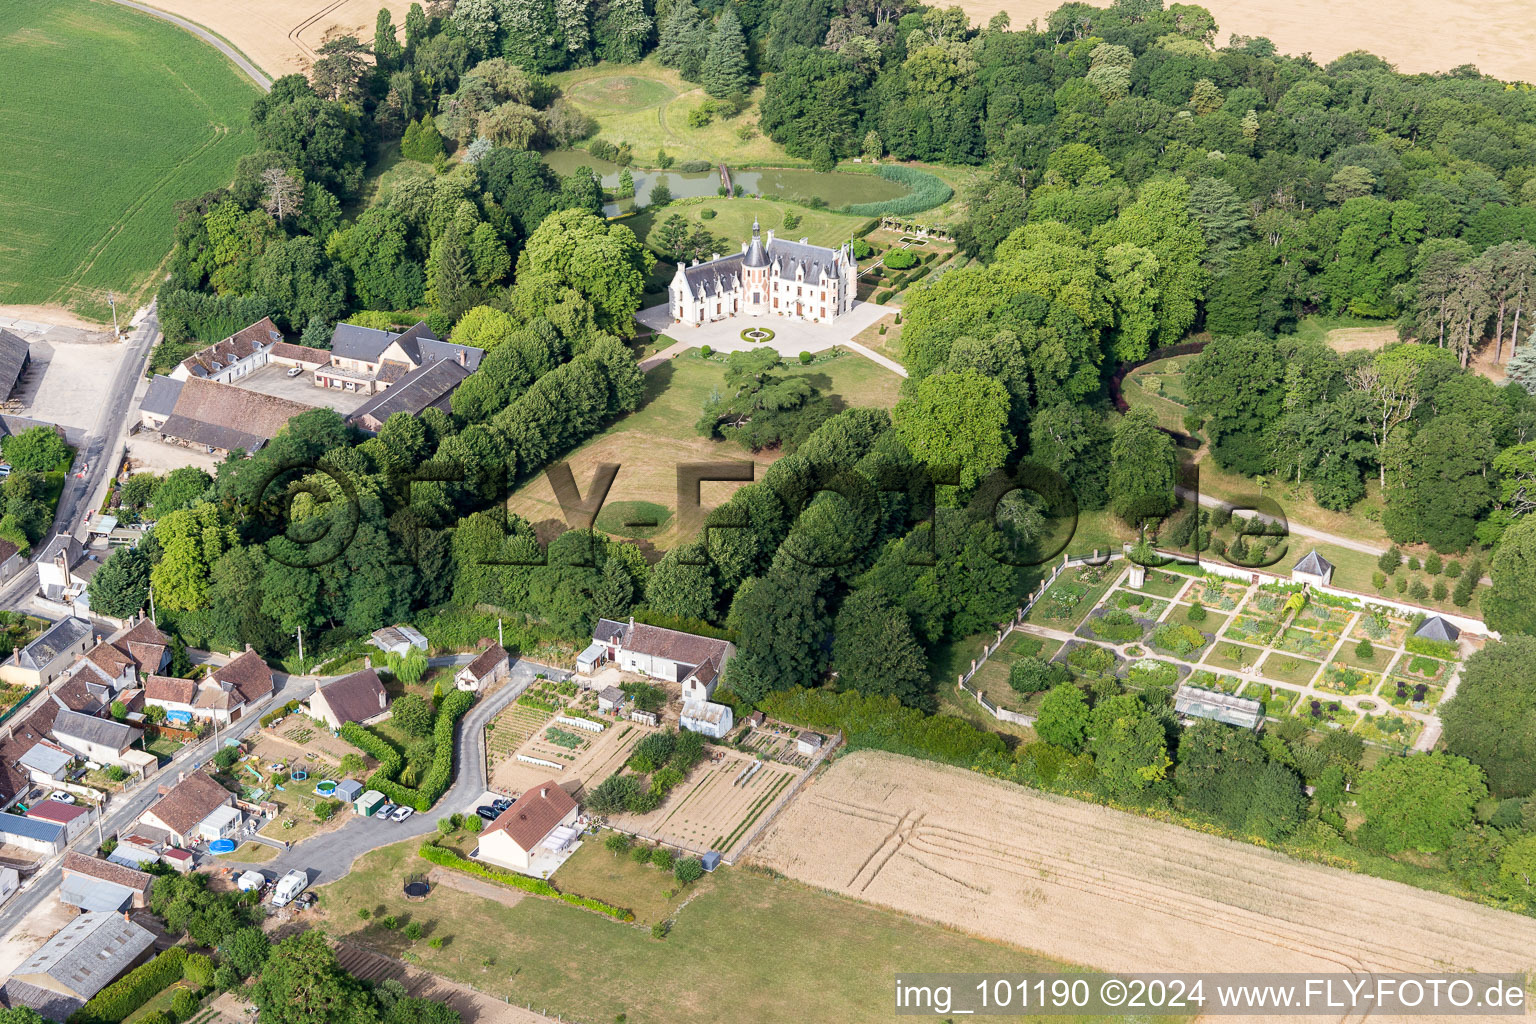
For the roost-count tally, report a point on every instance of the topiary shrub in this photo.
(900, 259)
(706, 351)
(805, 358)
(706, 214)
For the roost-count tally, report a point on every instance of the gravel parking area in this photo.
(70, 375)
(273, 379)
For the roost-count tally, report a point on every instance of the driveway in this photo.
(329, 857)
(790, 337)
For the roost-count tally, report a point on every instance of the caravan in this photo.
(293, 883)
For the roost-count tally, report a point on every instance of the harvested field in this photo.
(281, 36)
(1419, 35)
(712, 810)
(1008, 863)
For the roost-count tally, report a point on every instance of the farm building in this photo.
(1437, 629)
(221, 418)
(75, 817)
(81, 959)
(15, 357)
(427, 387)
(135, 884)
(695, 661)
(31, 834)
(398, 639)
(701, 716)
(358, 697)
(237, 355)
(1194, 702)
(182, 808)
(609, 697)
(535, 835)
(807, 743)
(1313, 568)
(369, 361)
(490, 667)
(159, 401)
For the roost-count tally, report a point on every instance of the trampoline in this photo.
(299, 775)
(222, 846)
(417, 890)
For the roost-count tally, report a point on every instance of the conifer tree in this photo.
(724, 72)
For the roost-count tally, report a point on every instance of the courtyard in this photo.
(273, 380)
(1331, 663)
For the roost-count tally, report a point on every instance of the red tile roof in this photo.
(170, 689)
(355, 698)
(249, 674)
(56, 811)
(535, 814)
(80, 864)
(488, 660)
(189, 802)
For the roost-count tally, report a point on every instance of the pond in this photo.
(776, 182)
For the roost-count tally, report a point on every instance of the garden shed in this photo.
(349, 790)
(368, 803)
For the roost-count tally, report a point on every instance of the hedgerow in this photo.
(928, 191)
(448, 859)
(1431, 648)
(883, 723)
(391, 761)
(115, 1002)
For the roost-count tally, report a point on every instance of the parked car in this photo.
(487, 812)
(62, 797)
(294, 371)
(501, 805)
(401, 813)
(385, 811)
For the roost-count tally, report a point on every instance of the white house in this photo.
(182, 808)
(1313, 568)
(794, 280)
(535, 835)
(97, 739)
(702, 716)
(490, 666)
(226, 361)
(695, 661)
(46, 658)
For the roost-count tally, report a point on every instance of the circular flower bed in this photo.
(759, 334)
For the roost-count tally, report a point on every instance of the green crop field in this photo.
(110, 117)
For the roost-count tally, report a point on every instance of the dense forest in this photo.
(1137, 185)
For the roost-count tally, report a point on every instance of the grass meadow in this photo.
(111, 116)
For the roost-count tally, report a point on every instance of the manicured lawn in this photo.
(86, 198)
(647, 106)
(641, 888)
(732, 222)
(768, 944)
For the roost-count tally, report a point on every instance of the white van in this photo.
(293, 883)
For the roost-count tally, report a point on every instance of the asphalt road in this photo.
(252, 71)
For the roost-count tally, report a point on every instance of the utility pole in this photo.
(301, 647)
(499, 642)
(112, 301)
(152, 607)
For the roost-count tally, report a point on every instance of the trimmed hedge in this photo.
(448, 859)
(928, 191)
(272, 716)
(1431, 648)
(883, 723)
(435, 782)
(115, 1002)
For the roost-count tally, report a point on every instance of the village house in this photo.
(794, 280)
(369, 360)
(358, 697)
(100, 739)
(102, 885)
(159, 401)
(183, 807)
(490, 666)
(48, 656)
(695, 661)
(225, 361)
(59, 563)
(428, 387)
(535, 835)
(222, 696)
(45, 762)
(81, 959)
(11, 560)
